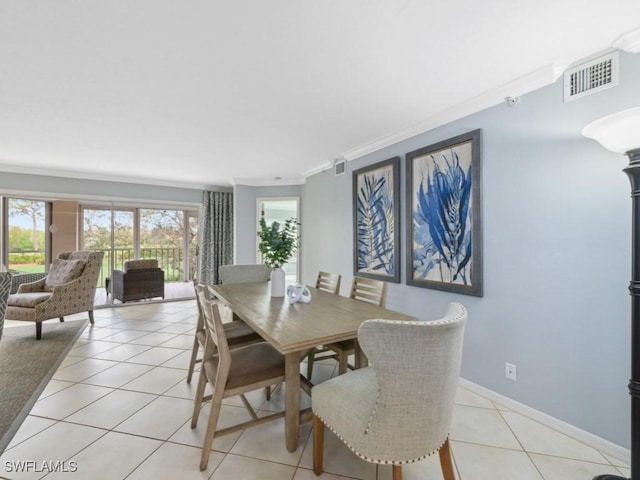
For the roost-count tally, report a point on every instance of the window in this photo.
(111, 231)
(26, 234)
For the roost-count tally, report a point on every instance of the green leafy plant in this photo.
(278, 242)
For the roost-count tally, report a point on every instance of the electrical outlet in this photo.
(510, 371)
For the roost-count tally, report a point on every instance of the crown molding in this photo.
(629, 42)
(528, 83)
(269, 181)
(318, 169)
(50, 172)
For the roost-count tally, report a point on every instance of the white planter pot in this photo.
(277, 282)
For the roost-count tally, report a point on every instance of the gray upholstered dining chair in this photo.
(247, 273)
(241, 273)
(231, 372)
(399, 409)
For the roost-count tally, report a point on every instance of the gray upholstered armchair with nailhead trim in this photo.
(399, 409)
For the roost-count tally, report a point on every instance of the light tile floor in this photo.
(120, 408)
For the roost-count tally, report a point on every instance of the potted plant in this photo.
(277, 244)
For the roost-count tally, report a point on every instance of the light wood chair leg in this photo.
(194, 356)
(445, 461)
(397, 472)
(197, 401)
(318, 444)
(216, 405)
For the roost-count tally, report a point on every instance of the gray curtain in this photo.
(217, 235)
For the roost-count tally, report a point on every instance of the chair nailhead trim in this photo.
(382, 462)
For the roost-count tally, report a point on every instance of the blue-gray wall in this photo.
(557, 231)
(245, 198)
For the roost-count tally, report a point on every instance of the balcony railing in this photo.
(171, 260)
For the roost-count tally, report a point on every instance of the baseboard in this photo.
(605, 446)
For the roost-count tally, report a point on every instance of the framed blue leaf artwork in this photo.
(444, 216)
(376, 215)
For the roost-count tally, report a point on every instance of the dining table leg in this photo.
(292, 399)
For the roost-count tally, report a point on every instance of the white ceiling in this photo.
(210, 92)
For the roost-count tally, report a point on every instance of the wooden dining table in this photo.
(294, 328)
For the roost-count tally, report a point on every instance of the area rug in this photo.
(27, 365)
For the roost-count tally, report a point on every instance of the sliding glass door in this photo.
(162, 237)
(111, 231)
(168, 235)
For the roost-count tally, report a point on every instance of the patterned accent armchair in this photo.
(141, 279)
(69, 288)
(398, 410)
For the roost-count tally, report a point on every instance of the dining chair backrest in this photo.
(216, 343)
(417, 366)
(328, 282)
(248, 273)
(199, 339)
(370, 291)
(255, 366)
(200, 321)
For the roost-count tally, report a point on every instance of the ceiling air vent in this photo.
(591, 77)
(340, 167)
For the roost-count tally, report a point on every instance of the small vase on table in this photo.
(277, 244)
(277, 282)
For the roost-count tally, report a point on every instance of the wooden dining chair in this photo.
(398, 410)
(237, 332)
(330, 283)
(231, 372)
(370, 291)
(365, 290)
